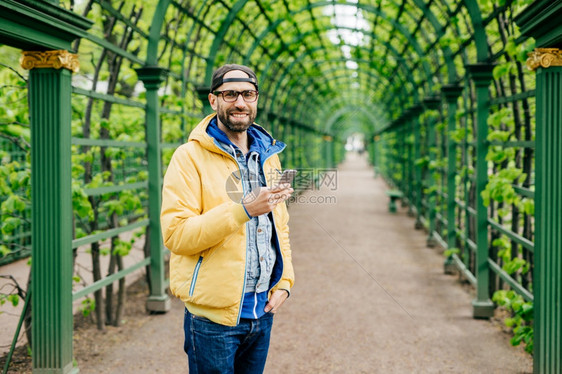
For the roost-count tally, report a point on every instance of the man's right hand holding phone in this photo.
(266, 199)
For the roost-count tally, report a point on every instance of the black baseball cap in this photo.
(220, 72)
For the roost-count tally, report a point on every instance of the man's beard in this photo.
(236, 126)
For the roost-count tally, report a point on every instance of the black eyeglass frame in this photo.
(238, 93)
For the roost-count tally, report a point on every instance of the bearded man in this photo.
(225, 220)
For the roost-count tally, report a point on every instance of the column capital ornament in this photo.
(50, 59)
(544, 57)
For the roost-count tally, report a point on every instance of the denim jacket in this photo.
(260, 252)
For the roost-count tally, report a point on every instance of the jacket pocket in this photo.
(194, 277)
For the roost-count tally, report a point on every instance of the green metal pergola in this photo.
(459, 103)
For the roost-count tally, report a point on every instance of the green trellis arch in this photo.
(438, 101)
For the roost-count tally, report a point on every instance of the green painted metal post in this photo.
(418, 184)
(404, 187)
(376, 153)
(152, 77)
(45, 27)
(271, 122)
(466, 177)
(301, 147)
(295, 151)
(541, 21)
(547, 283)
(328, 144)
(431, 103)
(203, 94)
(51, 232)
(481, 75)
(411, 166)
(451, 94)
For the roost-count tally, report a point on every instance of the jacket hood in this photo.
(207, 133)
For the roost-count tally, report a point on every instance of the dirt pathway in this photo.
(369, 298)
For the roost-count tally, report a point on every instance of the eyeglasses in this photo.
(230, 96)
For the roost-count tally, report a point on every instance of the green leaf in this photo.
(13, 204)
(451, 251)
(497, 135)
(485, 197)
(88, 306)
(423, 161)
(4, 250)
(504, 212)
(509, 322)
(528, 206)
(527, 307)
(122, 248)
(514, 265)
(516, 340)
(501, 70)
(14, 299)
(114, 206)
(20, 179)
(10, 224)
(511, 46)
(80, 233)
(502, 242)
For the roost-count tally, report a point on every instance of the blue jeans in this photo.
(217, 349)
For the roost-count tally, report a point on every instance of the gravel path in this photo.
(369, 298)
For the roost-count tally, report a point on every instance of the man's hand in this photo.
(265, 199)
(277, 299)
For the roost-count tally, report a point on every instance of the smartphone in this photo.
(287, 177)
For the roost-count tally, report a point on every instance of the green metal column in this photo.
(547, 283)
(51, 207)
(431, 103)
(481, 75)
(402, 157)
(43, 26)
(411, 165)
(294, 145)
(418, 184)
(152, 77)
(302, 146)
(466, 177)
(541, 21)
(272, 122)
(451, 94)
(203, 94)
(376, 160)
(329, 161)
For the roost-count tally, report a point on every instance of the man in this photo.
(231, 259)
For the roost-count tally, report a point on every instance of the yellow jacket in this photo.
(206, 230)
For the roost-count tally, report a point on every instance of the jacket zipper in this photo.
(195, 274)
(280, 254)
(245, 252)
